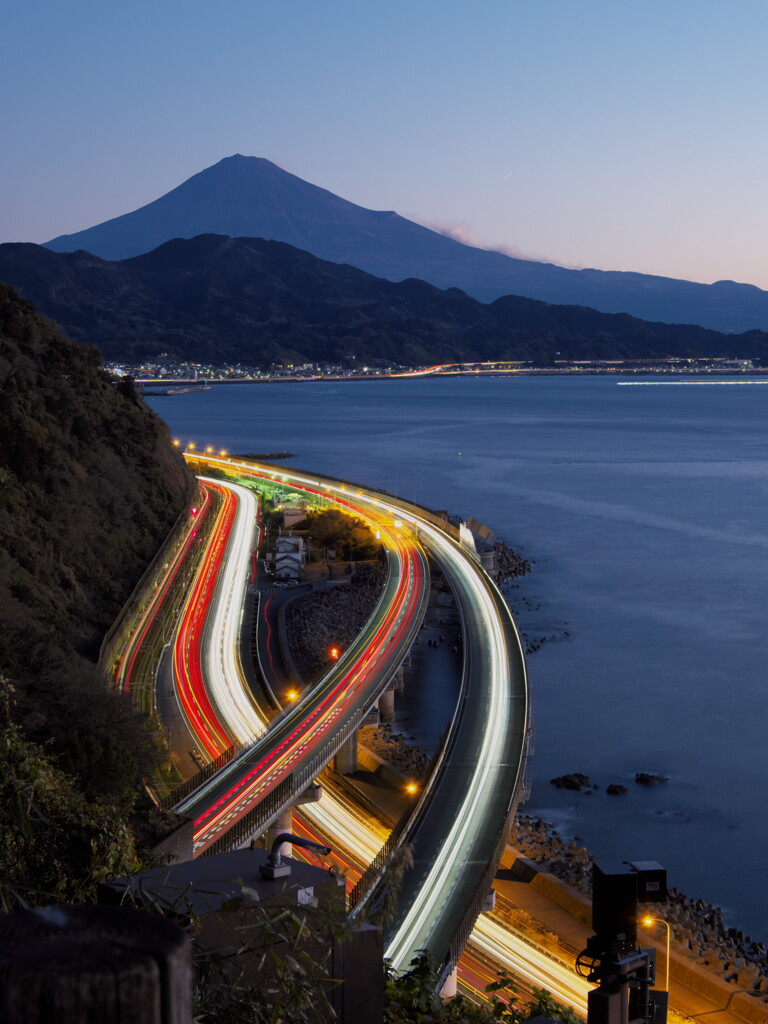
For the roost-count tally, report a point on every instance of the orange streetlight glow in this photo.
(411, 787)
(292, 694)
(334, 652)
(648, 921)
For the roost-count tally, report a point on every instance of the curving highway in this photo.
(463, 815)
(300, 742)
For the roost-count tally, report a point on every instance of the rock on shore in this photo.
(509, 563)
(394, 748)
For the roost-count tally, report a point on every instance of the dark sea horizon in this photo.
(642, 504)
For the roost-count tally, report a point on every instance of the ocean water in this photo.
(644, 511)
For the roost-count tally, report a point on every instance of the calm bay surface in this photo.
(644, 509)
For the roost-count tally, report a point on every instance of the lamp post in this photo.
(648, 921)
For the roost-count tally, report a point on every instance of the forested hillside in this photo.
(89, 487)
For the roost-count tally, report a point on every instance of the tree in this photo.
(55, 844)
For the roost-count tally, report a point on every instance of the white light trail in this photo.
(445, 873)
(443, 876)
(223, 672)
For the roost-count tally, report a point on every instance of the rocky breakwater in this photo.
(331, 617)
(698, 928)
(508, 563)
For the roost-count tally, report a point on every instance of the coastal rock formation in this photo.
(575, 781)
(649, 778)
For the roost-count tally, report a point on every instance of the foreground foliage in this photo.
(258, 962)
(55, 843)
(410, 999)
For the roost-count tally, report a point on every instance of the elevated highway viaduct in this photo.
(461, 821)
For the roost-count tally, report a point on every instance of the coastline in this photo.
(698, 929)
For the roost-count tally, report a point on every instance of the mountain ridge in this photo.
(243, 196)
(218, 299)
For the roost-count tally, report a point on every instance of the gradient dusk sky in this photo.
(602, 133)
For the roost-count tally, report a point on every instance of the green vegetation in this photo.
(89, 487)
(56, 842)
(337, 531)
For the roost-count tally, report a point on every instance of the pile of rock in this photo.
(698, 928)
(395, 749)
(508, 563)
(541, 843)
(700, 931)
(331, 617)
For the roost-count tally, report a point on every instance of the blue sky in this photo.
(605, 133)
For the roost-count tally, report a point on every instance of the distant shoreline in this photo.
(186, 385)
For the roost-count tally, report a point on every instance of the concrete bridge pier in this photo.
(284, 820)
(283, 823)
(387, 706)
(399, 679)
(345, 760)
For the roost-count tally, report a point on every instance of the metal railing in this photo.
(256, 820)
(183, 789)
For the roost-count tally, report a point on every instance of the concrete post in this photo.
(387, 706)
(400, 679)
(284, 823)
(345, 761)
(450, 988)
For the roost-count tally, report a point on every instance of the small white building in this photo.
(289, 557)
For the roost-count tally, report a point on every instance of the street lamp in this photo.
(648, 921)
